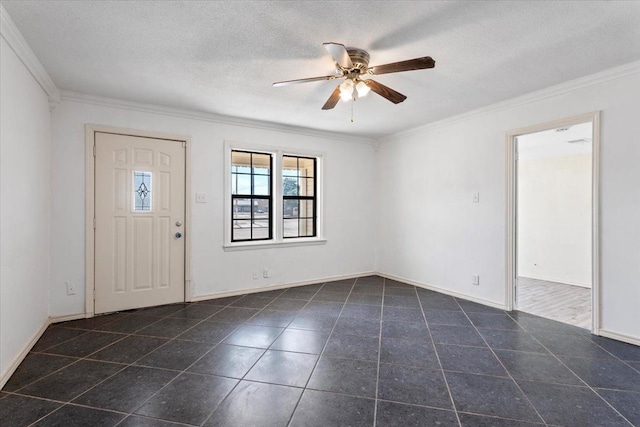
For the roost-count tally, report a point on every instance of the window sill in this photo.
(247, 246)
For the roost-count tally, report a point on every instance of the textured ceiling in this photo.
(221, 57)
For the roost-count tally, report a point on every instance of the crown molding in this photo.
(17, 42)
(208, 117)
(570, 86)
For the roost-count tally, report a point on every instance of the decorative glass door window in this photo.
(142, 195)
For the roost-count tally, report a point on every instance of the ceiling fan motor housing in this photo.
(359, 58)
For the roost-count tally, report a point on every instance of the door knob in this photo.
(178, 235)
(178, 223)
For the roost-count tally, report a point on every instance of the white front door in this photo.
(140, 215)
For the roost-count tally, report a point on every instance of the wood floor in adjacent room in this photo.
(558, 301)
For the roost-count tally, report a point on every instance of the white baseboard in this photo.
(58, 319)
(429, 287)
(4, 377)
(17, 360)
(279, 286)
(619, 337)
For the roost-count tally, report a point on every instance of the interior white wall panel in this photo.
(24, 207)
(431, 232)
(349, 204)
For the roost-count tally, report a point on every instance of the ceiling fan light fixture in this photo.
(346, 90)
(350, 65)
(362, 88)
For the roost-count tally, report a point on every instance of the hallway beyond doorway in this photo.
(557, 301)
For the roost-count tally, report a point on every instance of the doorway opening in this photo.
(552, 197)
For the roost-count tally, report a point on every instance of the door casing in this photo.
(511, 209)
(90, 131)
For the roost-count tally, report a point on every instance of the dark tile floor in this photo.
(349, 353)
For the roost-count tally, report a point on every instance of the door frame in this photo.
(511, 209)
(90, 133)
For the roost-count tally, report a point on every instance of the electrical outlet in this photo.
(201, 197)
(71, 289)
(475, 280)
(265, 273)
(476, 197)
(255, 275)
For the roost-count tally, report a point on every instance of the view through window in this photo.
(251, 195)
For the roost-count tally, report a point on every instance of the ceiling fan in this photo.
(351, 65)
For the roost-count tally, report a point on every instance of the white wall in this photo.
(24, 207)
(349, 204)
(430, 232)
(554, 219)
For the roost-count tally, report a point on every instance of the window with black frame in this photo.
(251, 195)
(299, 196)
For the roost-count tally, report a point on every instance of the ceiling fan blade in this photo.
(311, 79)
(396, 67)
(339, 54)
(385, 91)
(333, 99)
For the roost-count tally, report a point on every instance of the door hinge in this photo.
(94, 150)
(184, 144)
(517, 156)
(94, 223)
(94, 294)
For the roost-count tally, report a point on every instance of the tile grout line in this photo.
(125, 366)
(375, 408)
(322, 351)
(84, 358)
(435, 351)
(185, 370)
(180, 372)
(75, 397)
(132, 364)
(295, 314)
(263, 353)
(502, 364)
(572, 371)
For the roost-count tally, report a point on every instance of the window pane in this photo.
(306, 187)
(306, 227)
(290, 186)
(307, 167)
(242, 183)
(241, 230)
(261, 185)
(240, 162)
(291, 208)
(261, 164)
(261, 229)
(290, 228)
(141, 191)
(306, 208)
(260, 208)
(242, 209)
(290, 166)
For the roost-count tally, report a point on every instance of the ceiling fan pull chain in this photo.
(352, 102)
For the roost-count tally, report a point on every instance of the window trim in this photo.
(277, 239)
(300, 198)
(252, 197)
